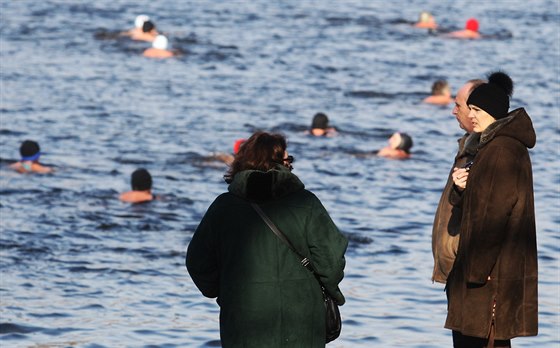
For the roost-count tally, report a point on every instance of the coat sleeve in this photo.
(202, 260)
(455, 196)
(327, 247)
(490, 205)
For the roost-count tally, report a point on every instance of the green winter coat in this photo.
(266, 297)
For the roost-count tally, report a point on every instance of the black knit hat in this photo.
(493, 97)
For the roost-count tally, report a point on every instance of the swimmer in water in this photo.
(148, 33)
(426, 21)
(470, 31)
(138, 23)
(228, 158)
(441, 93)
(398, 148)
(29, 163)
(141, 182)
(320, 126)
(159, 48)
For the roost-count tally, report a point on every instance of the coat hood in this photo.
(517, 125)
(256, 185)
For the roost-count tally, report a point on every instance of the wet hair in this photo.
(320, 120)
(439, 87)
(262, 151)
(148, 26)
(141, 180)
(406, 142)
(29, 149)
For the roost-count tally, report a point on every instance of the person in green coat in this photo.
(266, 297)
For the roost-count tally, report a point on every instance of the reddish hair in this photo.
(262, 151)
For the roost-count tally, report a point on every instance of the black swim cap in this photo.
(29, 148)
(141, 180)
(320, 120)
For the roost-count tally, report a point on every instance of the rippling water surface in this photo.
(79, 268)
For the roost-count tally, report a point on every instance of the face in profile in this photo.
(480, 119)
(461, 110)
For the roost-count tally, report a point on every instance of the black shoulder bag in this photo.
(332, 314)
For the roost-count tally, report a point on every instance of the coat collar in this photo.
(517, 125)
(257, 185)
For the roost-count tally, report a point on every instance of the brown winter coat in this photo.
(498, 237)
(447, 221)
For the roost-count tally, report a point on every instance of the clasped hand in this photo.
(460, 176)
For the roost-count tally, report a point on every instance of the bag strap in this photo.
(305, 262)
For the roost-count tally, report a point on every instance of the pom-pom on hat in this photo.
(472, 24)
(160, 42)
(493, 97)
(29, 150)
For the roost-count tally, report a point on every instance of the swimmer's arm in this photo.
(42, 169)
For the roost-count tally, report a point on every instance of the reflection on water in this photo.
(80, 268)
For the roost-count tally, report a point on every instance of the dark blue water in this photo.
(81, 269)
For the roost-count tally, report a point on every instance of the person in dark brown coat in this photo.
(492, 288)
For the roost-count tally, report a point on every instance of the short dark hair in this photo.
(262, 151)
(141, 180)
(148, 26)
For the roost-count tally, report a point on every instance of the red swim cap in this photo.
(237, 144)
(472, 24)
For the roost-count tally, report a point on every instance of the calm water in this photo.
(81, 269)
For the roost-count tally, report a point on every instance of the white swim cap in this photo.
(139, 21)
(160, 42)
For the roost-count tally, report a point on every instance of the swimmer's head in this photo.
(160, 42)
(29, 151)
(472, 24)
(237, 145)
(148, 26)
(440, 87)
(320, 121)
(425, 17)
(141, 180)
(140, 20)
(405, 143)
